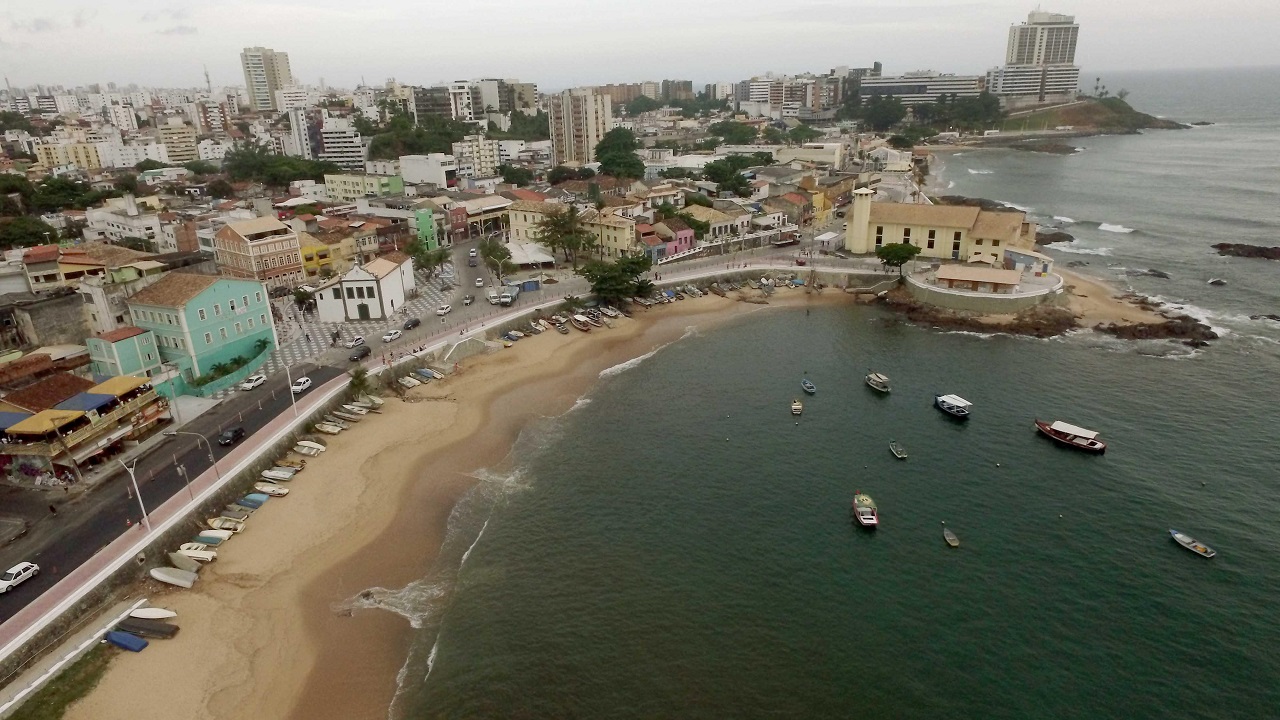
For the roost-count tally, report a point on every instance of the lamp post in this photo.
(212, 459)
(132, 478)
(182, 470)
(293, 397)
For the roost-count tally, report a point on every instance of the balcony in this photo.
(105, 424)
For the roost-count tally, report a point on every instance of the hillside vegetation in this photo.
(1111, 115)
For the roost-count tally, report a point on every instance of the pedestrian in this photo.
(53, 511)
(308, 337)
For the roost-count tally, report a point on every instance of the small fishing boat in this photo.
(128, 641)
(291, 463)
(221, 523)
(200, 556)
(953, 405)
(808, 386)
(174, 576)
(303, 450)
(865, 512)
(426, 376)
(897, 450)
(590, 319)
(1192, 544)
(580, 322)
(194, 546)
(270, 489)
(312, 444)
(878, 381)
(277, 475)
(435, 373)
(715, 288)
(372, 400)
(362, 404)
(328, 429)
(235, 512)
(334, 421)
(254, 499)
(949, 536)
(1072, 436)
(407, 382)
(152, 613)
(184, 563)
(355, 409)
(796, 407)
(208, 538)
(148, 628)
(562, 328)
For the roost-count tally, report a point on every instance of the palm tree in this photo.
(565, 231)
(359, 380)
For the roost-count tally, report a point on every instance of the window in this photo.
(995, 243)
(245, 298)
(250, 323)
(263, 318)
(182, 343)
(337, 293)
(978, 241)
(257, 297)
(932, 235)
(217, 309)
(371, 294)
(359, 292)
(222, 332)
(956, 237)
(879, 235)
(351, 293)
(232, 304)
(906, 236)
(208, 339)
(239, 329)
(148, 356)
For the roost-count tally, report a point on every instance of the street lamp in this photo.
(212, 459)
(182, 470)
(293, 397)
(129, 468)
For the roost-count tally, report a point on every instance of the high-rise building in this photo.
(265, 72)
(579, 119)
(676, 90)
(342, 144)
(179, 141)
(298, 142)
(1039, 61)
(477, 156)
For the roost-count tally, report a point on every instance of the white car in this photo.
(479, 282)
(355, 342)
(253, 381)
(301, 384)
(444, 310)
(472, 253)
(17, 575)
(392, 336)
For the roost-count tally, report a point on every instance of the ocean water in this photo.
(678, 545)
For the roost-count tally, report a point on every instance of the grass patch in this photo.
(74, 683)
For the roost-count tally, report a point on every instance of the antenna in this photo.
(208, 85)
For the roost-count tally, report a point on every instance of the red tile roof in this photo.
(44, 394)
(40, 254)
(124, 333)
(523, 194)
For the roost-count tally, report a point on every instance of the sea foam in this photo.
(980, 172)
(1075, 248)
(1063, 219)
(1015, 206)
(1108, 227)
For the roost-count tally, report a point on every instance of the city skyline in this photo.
(153, 45)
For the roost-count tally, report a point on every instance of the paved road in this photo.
(59, 544)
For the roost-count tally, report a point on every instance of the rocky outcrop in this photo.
(1047, 237)
(1045, 146)
(1265, 317)
(1041, 321)
(983, 203)
(1248, 251)
(1149, 272)
(1190, 331)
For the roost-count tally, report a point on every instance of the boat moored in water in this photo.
(878, 381)
(897, 450)
(865, 512)
(1072, 436)
(796, 407)
(1192, 544)
(949, 536)
(953, 405)
(808, 386)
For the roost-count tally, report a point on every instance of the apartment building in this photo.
(349, 187)
(579, 119)
(476, 156)
(1039, 61)
(922, 87)
(179, 141)
(265, 72)
(342, 144)
(262, 249)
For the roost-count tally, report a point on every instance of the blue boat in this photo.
(808, 386)
(260, 498)
(126, 641)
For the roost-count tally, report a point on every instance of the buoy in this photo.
(997, 464)
(1059, 516)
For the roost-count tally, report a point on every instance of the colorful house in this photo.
(126, 351)
(677, 235)
(204, 320)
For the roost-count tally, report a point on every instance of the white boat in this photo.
(276, 475)
(221, 523)
(346, 416)
(878, 381)
(865, 512)
(408, 382)
(182, 562)
(270, 489)
(949, 536)
(355, 409)
(328, 429)
(195, 546)
(796, 407)
(330, 419)
(174, 576)
(202, 556)
(372, 400)
(312, 444)
(152, 613)
(1192, 544)
(953, 405)
(304, 450)
(1072, 436)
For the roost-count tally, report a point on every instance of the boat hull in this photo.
(1191, 544)
(1096, 447)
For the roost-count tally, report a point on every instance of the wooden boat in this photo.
(271, 489)
(208, 539)
(312, 444)
(328, 429)
(562, 328)
(304, 450)
(715, 288)
(1072, 436)
(796, 407)
(194, 546)
(425, 376)
(334, 421)
(878, 381)
(371, 400)
(865, 512)
(254, 499)
(200, 556)
(808, 386)
(349, 417)
(126, 641)
(897, 450)
(148, 628)
(221, 523)
(591, 319)
(949, 536)
(953, 405)
(362, 404)
(1192, 544)
(174, 576)
(580, 322)
(184, 563)
(234, 512)
(355, 409)
(152, 613)
(291, 463)
(277, 475)
(408, 382)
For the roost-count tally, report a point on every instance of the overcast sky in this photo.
(562, 43)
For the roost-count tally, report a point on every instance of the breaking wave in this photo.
(1063, 219)
(980, 172)
(1108, 227)
(1074, 248)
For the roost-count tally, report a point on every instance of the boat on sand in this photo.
(174, 576)
(152, 613)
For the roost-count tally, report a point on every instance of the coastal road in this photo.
(81, 528)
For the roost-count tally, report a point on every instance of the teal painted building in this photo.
(200, 321)
(425, 219)
(126, 351)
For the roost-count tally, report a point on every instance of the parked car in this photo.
(467, 300)
(392, 336)
(444, 310)
(472, 262)
(361, 353)
(301, 384)
(231, 436)
(472, 253)
(253, 381)
(17, 575)
(479, 282)
(356, 341)
(412, 323)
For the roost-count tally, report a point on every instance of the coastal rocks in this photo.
(1149, 272)
(1047, 237)
(1265, 317)
(1217, 282)
(1202, 123)
(1190, 331)
(983, 203)
(1077, 263)
(1042, 321)
(1248, 251)
(1045, 146)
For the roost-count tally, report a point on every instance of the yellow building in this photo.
(82, 155)
(615, 235)
(523, 217)
(956, 232)
(333, 250)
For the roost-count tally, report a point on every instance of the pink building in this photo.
(677, 234)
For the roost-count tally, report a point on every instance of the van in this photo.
(493, 297)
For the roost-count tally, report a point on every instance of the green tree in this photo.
(733, 133)
(14, 121)
(694, 198)
(517, 176)
(303, 299)
(565, 231)
(560, 173)
(896, 254)
(306, 210)
(883, 113)
(901, 142)
(802, 134)
(221, 188)
(60, 193)
(25, 231)
(127, 183)
(642, 104)
(774, 136)
(149, 164)
(497, 257)
(432, 135)
(613, 282)
(523, 127)
(360, 383)
(254, 162)
(616, 153)
(426, 258)
(727, 174)
(201, 167)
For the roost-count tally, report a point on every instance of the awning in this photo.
(119, 385)
(43, 422)
(85, 401)
(9, 419)
(85, 452)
